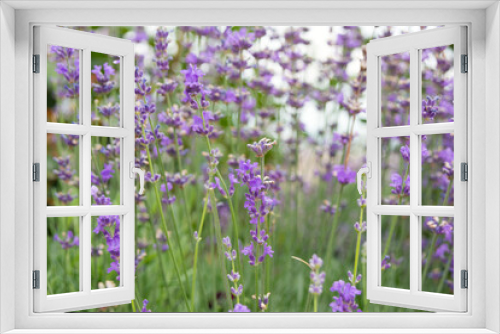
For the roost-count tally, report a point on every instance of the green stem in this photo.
(268, 267)
(297, 183)
(434, 237)
(218, 230)
(448, 190)
(445, 272)
(235, 284)
(365, 300)
(172, 214)
(429, 258)
(394, 221)
(264, 269)
(358, 244)
(195, 264)
(133, 306)
(329, 248)
(256, 284)
(165, 229)
(235, 229)
(218, 234)
(179, 166)
(308, 301)
(158, 251)
(315, 302)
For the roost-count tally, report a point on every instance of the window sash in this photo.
(414, 298)
(86, 43)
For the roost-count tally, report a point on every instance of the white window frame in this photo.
(413, 43)
(84, 43)
(484, 46)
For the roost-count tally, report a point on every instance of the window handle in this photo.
(134, 170)
(364, 170)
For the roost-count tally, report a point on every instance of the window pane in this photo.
(63, 255)
(105, 168)
(105, 89)
(63, 165)
(395, 256)
(395, 94)
(437, 169)
(395, 172)
(63, 84)
(105, 252)
(437, 84)
(437, 254)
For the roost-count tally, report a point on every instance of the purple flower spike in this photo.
(65, 198)
(346, 300)
(68, 240)
(351, 278)
(248, 251)
(430, 107)
(104, 83)
(107, 172)
(191, 84)
(237, 292)
(360, 227)
(233, 277)
(397, 185)
(151, 178)
(239, 308)
(145, 302)
(344, 174)
(217, 185)
(317, 277)
(262, 147)
(264, 301)
(237, 41)
(386, 262)
(327, 207)
(405, 153)
(361, 202)
(227, 242)
(315, 262)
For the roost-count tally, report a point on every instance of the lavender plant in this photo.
(255, 134)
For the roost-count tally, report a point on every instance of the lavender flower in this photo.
(107, 172)
(68, 240)
(237, 291)
(327, 207)
(397, 185)
(386, 262)
(351, 278)
(192, 86)
(263, 301)
(239, 308)
(317, 277)
(162, 58)
(144, 309)
(262, 147)
(430, 107)
(360, 227)
(104, 83)
(346, 299)
(239, 40)
(344, 174)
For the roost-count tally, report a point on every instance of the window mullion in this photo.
(415, 168)
(85, 91)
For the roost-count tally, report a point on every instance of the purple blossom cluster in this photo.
(346, 299)
(317, 277)
(68, 240)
